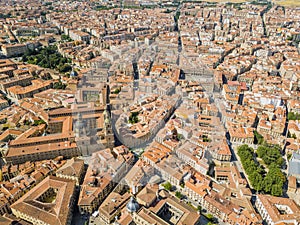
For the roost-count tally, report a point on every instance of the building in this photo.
(294, 166)
(78, 35)
(239, 134)
(40, 148)
(10, 50)
(278, 210)
(22, 80)
(112, 205)
(73, 170)
(4, 205)
(194, 156)
(19, 92)
(168, 209)
(105, 170)
(50, 202)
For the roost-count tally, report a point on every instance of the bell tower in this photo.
(109, 135)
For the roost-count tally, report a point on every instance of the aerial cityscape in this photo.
(149, 112)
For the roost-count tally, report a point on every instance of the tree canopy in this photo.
(293, 116)
(258, 138)
(270, 154)
(47, 57)
(133, 118)
(271, 182)
(168, 186)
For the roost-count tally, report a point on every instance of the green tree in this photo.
(59, 85)
(178, 194)
(64, 68)
(38, 122)
(168, 186)
(293, 116)
(209, 216)
(133, 118)
(271, 182)
(117, 90)
(258, 138)
(270, 154)
(256, 180)
(276, 190)
(199, 208)
(47, 57)
(66, 38)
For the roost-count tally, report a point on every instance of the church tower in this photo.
(109, 135)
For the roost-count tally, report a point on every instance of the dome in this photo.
(132, 205)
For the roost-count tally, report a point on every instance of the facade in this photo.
(14, 50)
(22, 80)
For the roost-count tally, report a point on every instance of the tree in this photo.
(26, 122)
(168, 186)
(38, 122)
(59, 85)
(270, 154)
(65, 38)
(258, 138)
(199, 208)
(271, 182)
(178, 194)
(117, 90)
(133, 118)
(179, 137)
(276, 190)
(47, 57)
(209, 216)
(267, 183)
(256, 181)
(64, 68)
(274, 180)
(293, 116)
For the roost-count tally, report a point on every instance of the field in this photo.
(279, 2)
(234, 1)
(287, 2)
